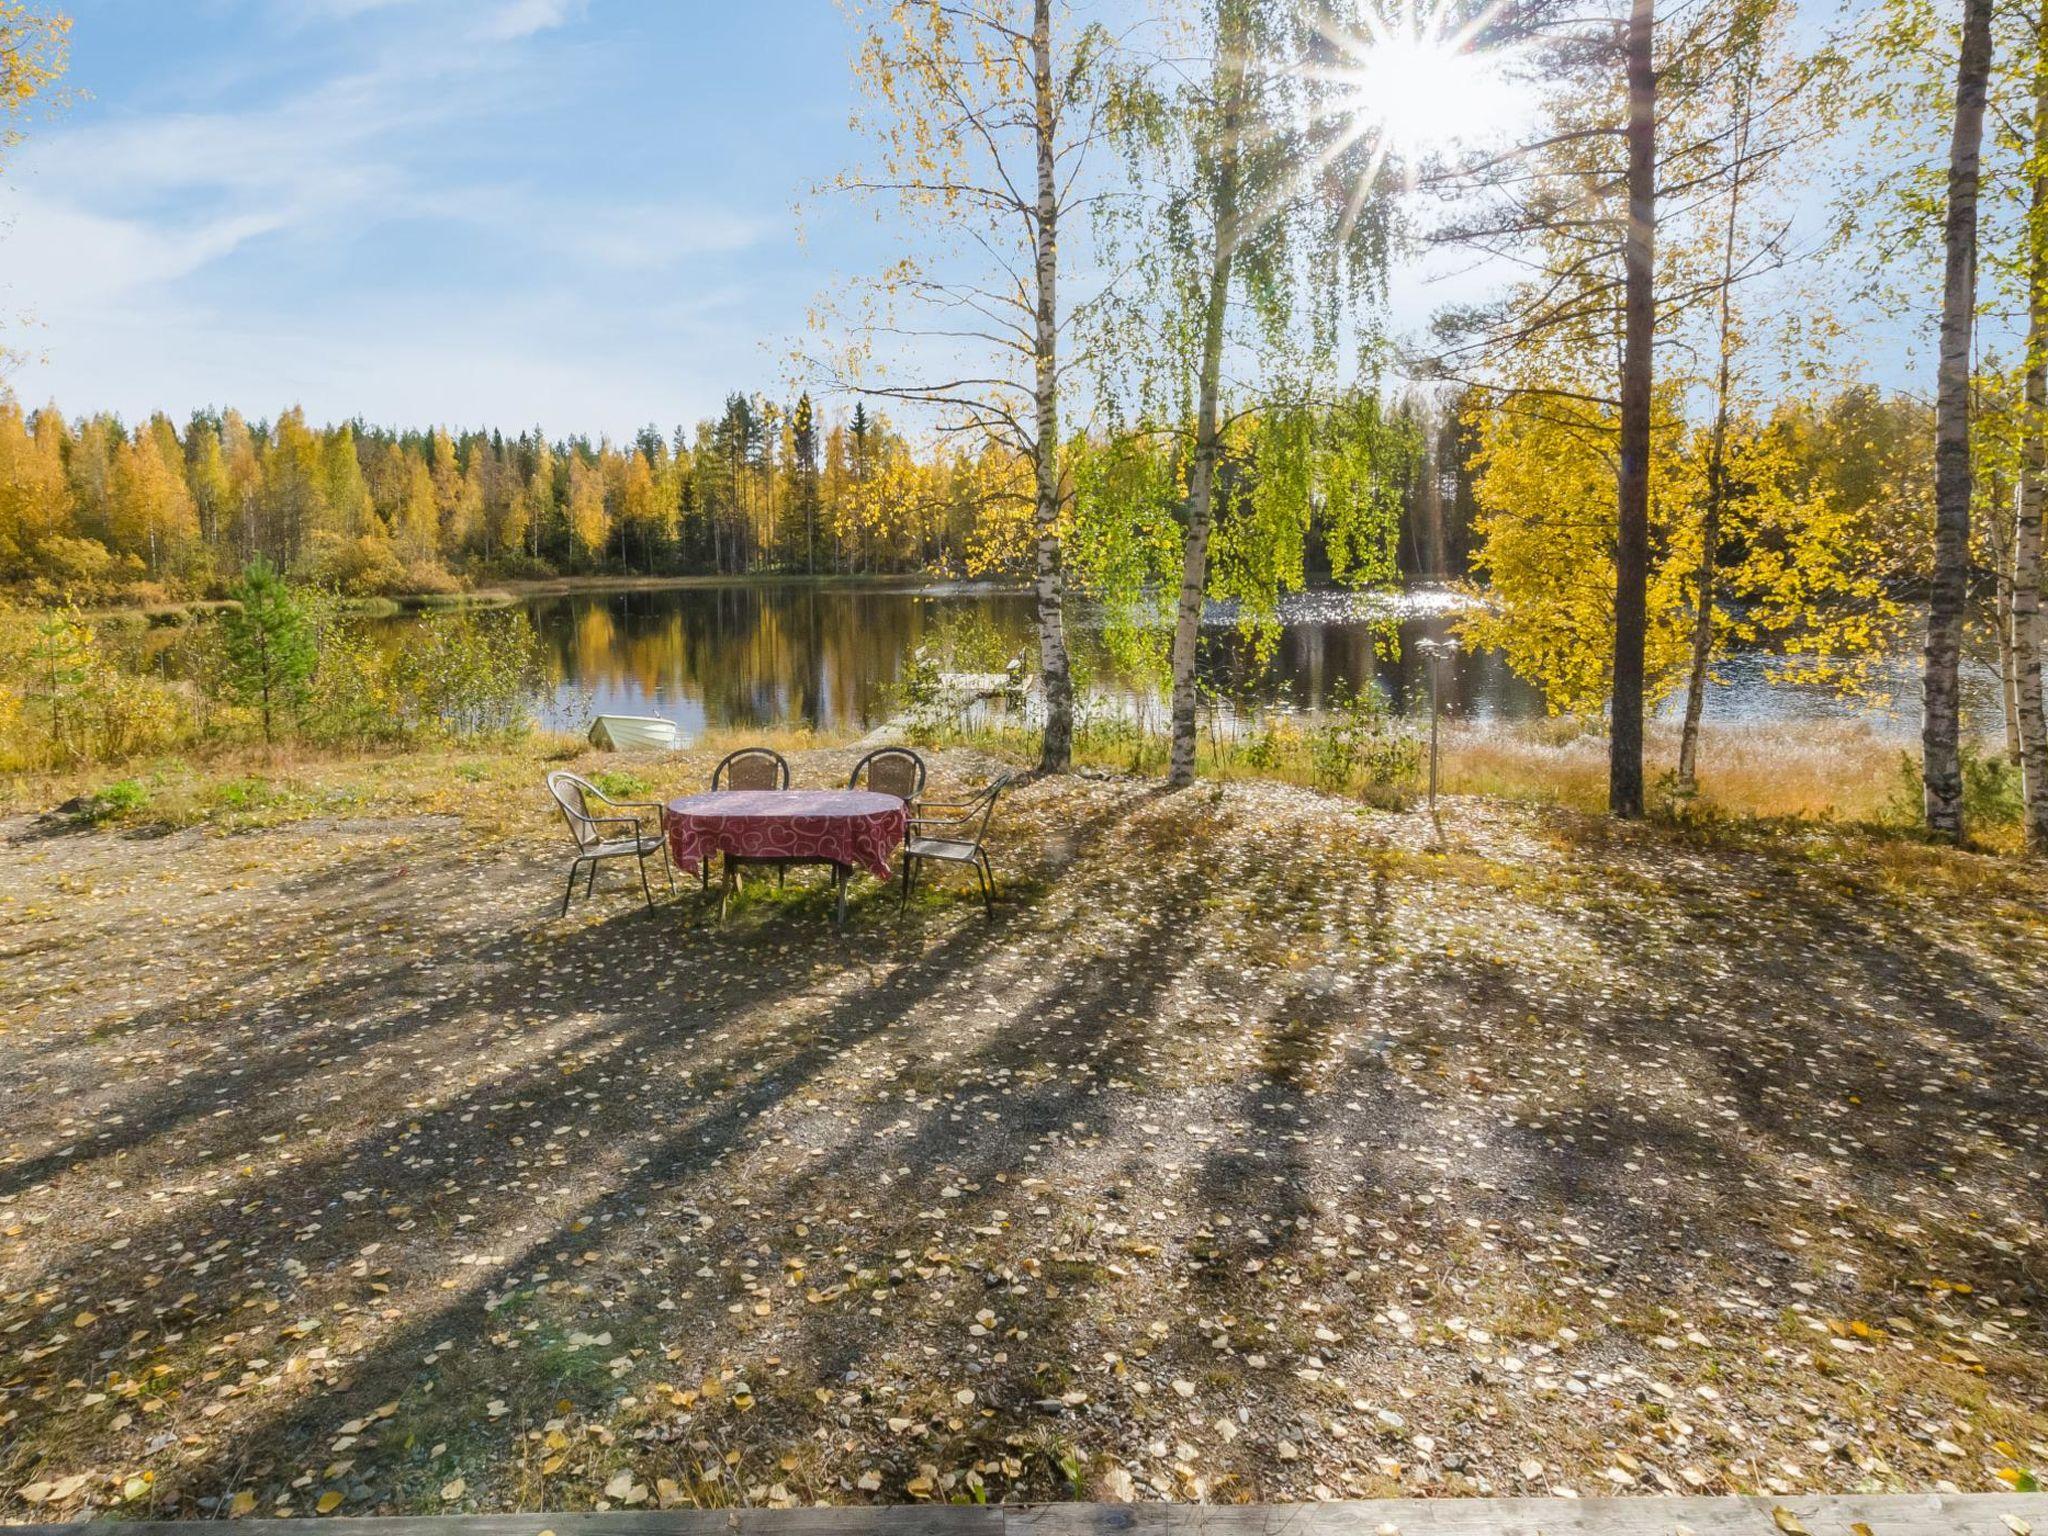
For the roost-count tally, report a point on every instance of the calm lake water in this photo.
(828, 656)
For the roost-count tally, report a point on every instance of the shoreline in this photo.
(504, 594)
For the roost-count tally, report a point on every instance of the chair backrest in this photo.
(572, 799)
(983, 800)
(751, 768)
(890, 771)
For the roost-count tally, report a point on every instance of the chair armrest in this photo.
(617, 821)
(659, 812)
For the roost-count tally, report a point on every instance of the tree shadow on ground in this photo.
(1224, 1090)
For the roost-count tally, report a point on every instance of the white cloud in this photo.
(504, 366)
(522, 18)
(117, 231)
(63, 260)
(653, 236)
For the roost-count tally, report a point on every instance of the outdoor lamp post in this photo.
(1438, 652)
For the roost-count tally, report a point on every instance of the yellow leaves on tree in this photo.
(1546, 529)
(588, 524)
(151, 507)
(1800, 572)
(33, 47)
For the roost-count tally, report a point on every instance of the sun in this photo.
(1418, 90)
(1410, 85)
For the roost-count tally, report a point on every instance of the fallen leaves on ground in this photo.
(1256, 1151)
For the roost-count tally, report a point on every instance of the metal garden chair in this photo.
(601, 833)
(894, 771)
(751, 768)
(748, 768)
(955, 837)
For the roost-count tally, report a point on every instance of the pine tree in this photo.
(269, 646)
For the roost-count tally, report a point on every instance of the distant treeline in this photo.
(94, 510)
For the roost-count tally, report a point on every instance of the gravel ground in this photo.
(1259, 1149)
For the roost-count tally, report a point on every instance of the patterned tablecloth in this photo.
(845, 826)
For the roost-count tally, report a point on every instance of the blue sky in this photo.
(578, 213)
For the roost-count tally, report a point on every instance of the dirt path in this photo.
(1256, 1151)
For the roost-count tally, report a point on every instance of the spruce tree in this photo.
(269, 641)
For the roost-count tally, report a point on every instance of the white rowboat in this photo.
(633, 733)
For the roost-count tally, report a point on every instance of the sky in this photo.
(582, 215)
(579, 214)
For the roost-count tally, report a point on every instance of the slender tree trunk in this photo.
(2002, 517)
(1717, 473)
(1429, 496)
(1055, 679)
(1194, 571)
(2028, 634)
(1941, 764)
(1632, 533)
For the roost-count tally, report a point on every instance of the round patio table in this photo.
(846, 828)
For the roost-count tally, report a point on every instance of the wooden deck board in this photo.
(1849, 1515)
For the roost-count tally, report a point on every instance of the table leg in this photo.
(839, 878)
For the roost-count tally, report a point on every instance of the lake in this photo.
(830, 655)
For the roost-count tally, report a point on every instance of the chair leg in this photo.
(988, 871)
(988, 898)
(646, 889)
(575, 867)
(904, 900)
(590, 884)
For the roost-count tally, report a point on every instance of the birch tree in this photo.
(1941, 767)
(983, 114)
(1259, 239)
(1765, 106)
(2025, 633)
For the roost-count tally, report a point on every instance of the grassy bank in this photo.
(1825, 774)
(496, 592)
(371, 607)
(1814, 771)
(565, 586)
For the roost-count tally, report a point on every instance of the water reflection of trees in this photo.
(793, 653)
(741, 655)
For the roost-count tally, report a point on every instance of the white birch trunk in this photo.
(1194, 575)
(2027, 634)
(1717, 477)
(1056, 679)
(1941, 766)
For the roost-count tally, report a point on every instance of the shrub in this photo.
(1356, 738)
(621, 784)
(361, 567)
(470, 674)
(1260, 750)
(111, 802)
(1993, 793)
(129, 714)
(350, 699)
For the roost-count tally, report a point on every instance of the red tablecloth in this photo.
(846, 826)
